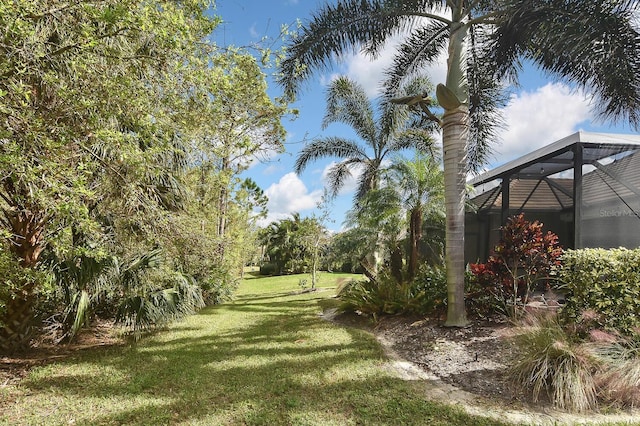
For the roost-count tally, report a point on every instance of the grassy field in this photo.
(265, 358)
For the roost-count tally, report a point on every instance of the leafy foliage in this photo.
(122, 127)
(605, 282)
(293, 245)
(524, 257)
(382, 296)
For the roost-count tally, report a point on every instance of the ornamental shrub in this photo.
(606, 282)
(384, 295)
(524, 257)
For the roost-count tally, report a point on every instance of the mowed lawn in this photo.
(266, 358)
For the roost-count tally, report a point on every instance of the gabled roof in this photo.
(558, 156)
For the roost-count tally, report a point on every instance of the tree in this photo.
(380, 221)
(593, 45)
(86, 124)
(394, 131)
(236, 123)
(294, 244)
(421, 186)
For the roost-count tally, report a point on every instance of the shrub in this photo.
(219, 286)
(268, 269)
(551, 361)
(382, 296)
(523, 257)
(606, 282)
(431, 282)
(426, 294)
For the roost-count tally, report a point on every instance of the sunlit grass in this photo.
(265, 358)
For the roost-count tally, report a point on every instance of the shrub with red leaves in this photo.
(523, 258)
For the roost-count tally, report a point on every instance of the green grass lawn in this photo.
(266, 358)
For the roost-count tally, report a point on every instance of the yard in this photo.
(266, 358)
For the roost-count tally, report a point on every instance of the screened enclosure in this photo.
(585, 188)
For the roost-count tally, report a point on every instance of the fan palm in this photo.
(396, 129)
(594, 45)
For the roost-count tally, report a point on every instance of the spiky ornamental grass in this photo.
(552, 362)
(618, 380)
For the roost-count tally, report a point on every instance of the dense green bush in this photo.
(426, 294)
(605, 282)
(382, 296)
(268, 269)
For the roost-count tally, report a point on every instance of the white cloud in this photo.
(537, 118)
(370, 72)
(287, 196)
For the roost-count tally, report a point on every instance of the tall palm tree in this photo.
(395, 130)
(421, 186)
(594, 45)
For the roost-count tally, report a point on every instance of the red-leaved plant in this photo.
(523, 257)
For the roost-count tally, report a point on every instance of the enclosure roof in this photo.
(558, 157)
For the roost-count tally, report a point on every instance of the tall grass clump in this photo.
(551, 362)
(618, 380)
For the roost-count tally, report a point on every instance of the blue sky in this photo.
(541, 111)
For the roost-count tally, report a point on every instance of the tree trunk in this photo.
(18, 321)
(455, 131)
(396, 264)
(27, 226)
(454, 145)
(415, 235)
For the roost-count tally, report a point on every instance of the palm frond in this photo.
(487, 98)
(347, 103)
(337, 176)
(420, 139)
(420, 49)
(328, 147)
(342, 28)
(595, 45)
(81, 304)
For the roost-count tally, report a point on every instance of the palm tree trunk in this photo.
(455, 131)
(415, 235)
(18, 321)
(28, 228)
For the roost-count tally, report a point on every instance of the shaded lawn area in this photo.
(266, 358)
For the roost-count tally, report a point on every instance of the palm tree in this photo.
(347, 103)
(421, 185)
(594, 45)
